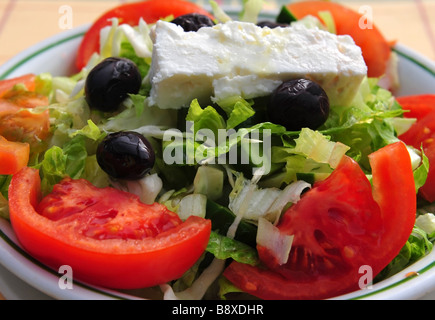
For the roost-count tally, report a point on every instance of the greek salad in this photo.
(208, 156)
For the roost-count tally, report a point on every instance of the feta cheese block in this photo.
(240, 58)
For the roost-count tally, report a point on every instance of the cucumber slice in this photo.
(285, 16)
(222, 218)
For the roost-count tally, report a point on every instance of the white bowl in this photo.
(56, 55)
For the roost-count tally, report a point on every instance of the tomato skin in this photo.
(422, 131)
(394, 191)
(335, 227)
(130, 13)
(18, 122)
(114, 263)
(21, 124)
(417, 106)
(13, 156)
(422, 134)
(28, 80)
(344, 236)
(375, 49)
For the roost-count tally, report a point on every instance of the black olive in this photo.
(193, 21)
(109, 83)
(271, 24)
(298, 104)
(125, 155)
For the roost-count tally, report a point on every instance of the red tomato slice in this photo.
(130, 13)
(28, 80)
(418, 106)
(107, 236)
(394, 191)
(375, 49)
(17, 120)
(421, 132)
(338, 228)
(13, 156)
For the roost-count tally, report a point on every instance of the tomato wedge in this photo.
(130, 13)
(421, 107)
(23, 123)
(417, 106)
(13, 156)
(422, 134)
(391, 166)
(19, 121)
(338, 227)
(28, 80)
(375, 49)
(108, 237)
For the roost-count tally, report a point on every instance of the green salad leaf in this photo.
(415, 248)
(4, 186)
(223, 248)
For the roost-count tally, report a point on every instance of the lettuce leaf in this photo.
(208, 140)
(417, 246)
(237, 109)
(75, 159)
(207, 118)
(309, 154)
(368, 124)
(4, 186)
(59, 163)
(223, 248)
(251, 10)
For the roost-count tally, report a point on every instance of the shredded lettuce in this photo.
(146, 188)
(66, 118)
(203, 141)
(207, 118)
(278, 243)
(138, 114)
(421, 171)
(417, 246)
(309, 153)
(366, 125)
(251, 202)
(4, 186)
(251, 10)
(224, 248)
(237, 110)
(4, 207)
(199, 287)
(328, 19)
(209, 181)
(426, 222)
(317, 147)
(220, 14)
(74, 159)
(192, 205)
(59, 163)
(227, 288)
